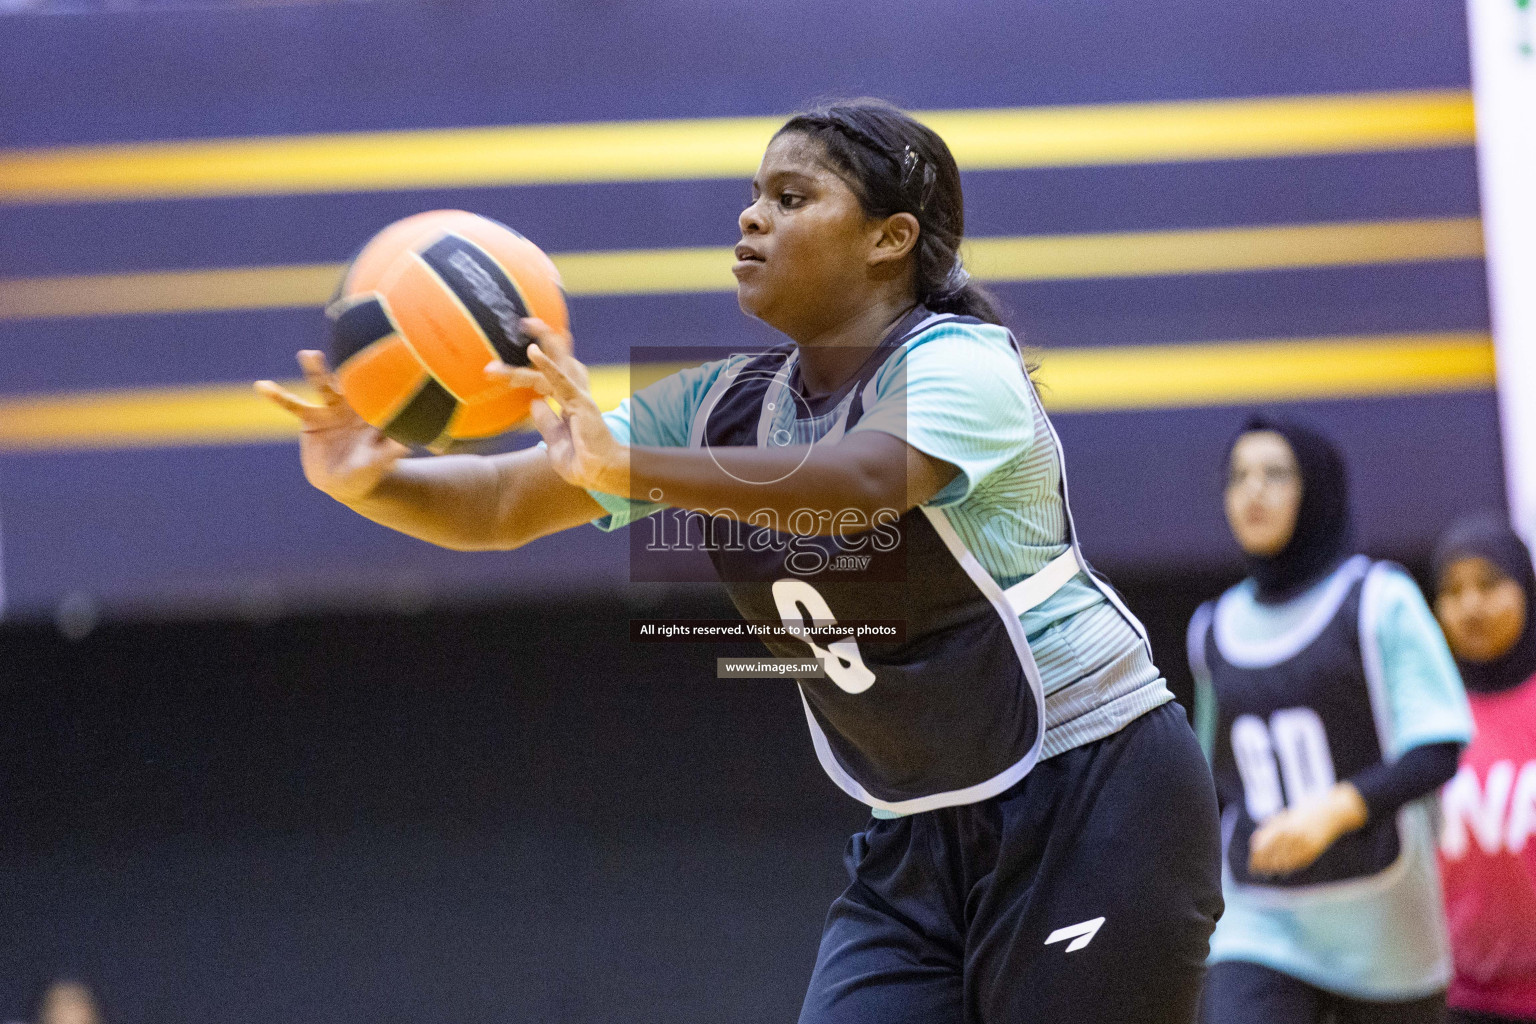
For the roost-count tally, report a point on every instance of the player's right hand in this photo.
(341, 454)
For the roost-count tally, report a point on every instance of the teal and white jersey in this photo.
(1352, 672)
(957, 391)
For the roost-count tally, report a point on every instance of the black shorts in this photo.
(1086, 894)
(1244, 993)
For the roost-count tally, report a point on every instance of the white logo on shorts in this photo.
(1080, 934)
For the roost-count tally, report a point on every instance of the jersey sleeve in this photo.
(658, 415)
(1422, 692)
(957, 392)
(1205, 691)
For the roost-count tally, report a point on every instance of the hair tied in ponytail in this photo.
(950, 289)
(958, 277)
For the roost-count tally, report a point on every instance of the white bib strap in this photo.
(1032, 591)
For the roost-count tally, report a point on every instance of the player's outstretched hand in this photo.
(341, 454)
(1295, 837)
(582, 449)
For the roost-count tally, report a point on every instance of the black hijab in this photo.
(1489, 536)
(1323, 534)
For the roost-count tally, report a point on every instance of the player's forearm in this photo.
(1420, 771)
(447, 500)
(807, 489)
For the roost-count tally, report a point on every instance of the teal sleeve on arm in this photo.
(621, 511)
(1205, 691)
(1205, 714)
(958, 394)
(658, 415)
(1424, 695)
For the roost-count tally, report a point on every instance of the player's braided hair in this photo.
(895, 164)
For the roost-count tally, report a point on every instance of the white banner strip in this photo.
(1504, 88)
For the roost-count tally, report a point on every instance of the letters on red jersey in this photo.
(1488, 857)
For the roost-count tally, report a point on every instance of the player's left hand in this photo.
(582, 450)
(1293, 838)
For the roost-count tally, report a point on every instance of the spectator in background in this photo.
(1330, 707)
(1485, 593)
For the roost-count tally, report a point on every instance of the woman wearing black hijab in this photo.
(1485, 590)
(1329, 706)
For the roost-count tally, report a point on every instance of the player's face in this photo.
(1263, 493)
(803, 260)
(1481, 610)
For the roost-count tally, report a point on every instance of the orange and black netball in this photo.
(422, 308)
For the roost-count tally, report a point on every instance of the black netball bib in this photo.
(1295, 715)
(951, 715)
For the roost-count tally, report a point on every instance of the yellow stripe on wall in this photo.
(151, 417)
(168, 291)
(1223, 250)
(196, 415)
(1073, 380)
(989, 139)
(1283, 370)
(695, 270)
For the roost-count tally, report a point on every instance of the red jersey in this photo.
(1488, 858)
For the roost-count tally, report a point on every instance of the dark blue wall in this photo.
(214, 529)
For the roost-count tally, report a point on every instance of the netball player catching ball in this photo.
(1044, 843)
(1331, 707)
